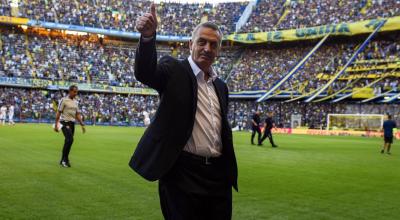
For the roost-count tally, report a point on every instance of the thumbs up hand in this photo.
(147, 23)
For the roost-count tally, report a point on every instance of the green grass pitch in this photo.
(307, 177)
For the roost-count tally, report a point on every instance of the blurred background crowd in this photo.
(32, 105)
(32, 54)
(180, 19)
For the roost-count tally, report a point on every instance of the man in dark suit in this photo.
(269, 124)
(188, 147)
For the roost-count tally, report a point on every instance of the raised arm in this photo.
(146, 69)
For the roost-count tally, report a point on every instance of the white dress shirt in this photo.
(206, 135)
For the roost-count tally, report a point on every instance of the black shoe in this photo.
(260, 144)
(389, 153)
(252, 144)
(68, 164)
(64, 164)
(382, 151)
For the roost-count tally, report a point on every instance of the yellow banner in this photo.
(363, 93)
(357, 76)
(13, 20)
(361, 27)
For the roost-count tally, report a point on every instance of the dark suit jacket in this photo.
(172, 126)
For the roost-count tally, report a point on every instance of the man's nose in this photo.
(207, 47)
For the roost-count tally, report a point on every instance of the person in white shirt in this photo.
(3, 114)
(146, 118)
(11, 115)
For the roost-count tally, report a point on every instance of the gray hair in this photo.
(208, 24)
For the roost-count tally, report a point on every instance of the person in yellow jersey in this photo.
(67, 113)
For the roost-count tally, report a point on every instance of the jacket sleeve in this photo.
(147, 70)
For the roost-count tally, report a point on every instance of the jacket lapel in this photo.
(189, 71)
(219, 88)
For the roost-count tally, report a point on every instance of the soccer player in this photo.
(255, 127)
(388, 127)
(67, 113)
(3, 114)
(269, 124)
(11, 115)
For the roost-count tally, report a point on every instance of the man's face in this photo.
(205, 47)
(72, 93)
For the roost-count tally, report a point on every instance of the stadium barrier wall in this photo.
(57, 85)
(63, 85)
(14, 20)
(51, 121)
(331, 133)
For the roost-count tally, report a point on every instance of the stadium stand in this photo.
(178, 19)
(98, 60)
(81, 59)
(280, 15)
(260, 68)
(32, 105)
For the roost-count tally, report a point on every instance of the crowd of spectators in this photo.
(81, 59)
(262, 67)
(180, 19)
(118, 109)
(174, 18)
(281, 15)
(84, 60)
(265, 16)
(97, 108)
(69, 59)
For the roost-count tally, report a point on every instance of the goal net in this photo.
(356, 122)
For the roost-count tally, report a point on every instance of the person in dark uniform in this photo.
(255, 127)
(188, 146)
(269, 124)
(388, 127)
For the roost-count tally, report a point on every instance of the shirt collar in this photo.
(196, 69)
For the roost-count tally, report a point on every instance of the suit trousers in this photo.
(196, 188)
